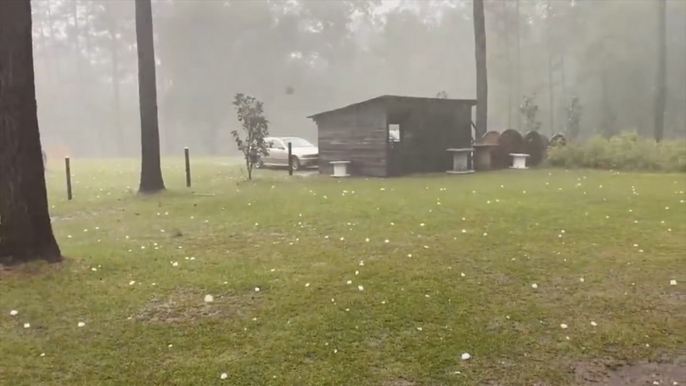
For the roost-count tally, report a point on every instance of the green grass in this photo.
(430, 294)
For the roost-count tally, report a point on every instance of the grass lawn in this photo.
(358, 282)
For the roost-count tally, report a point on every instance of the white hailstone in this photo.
(427, 296)
(256, 224)
(342, 238)
(640, 250)
(383, 302)
(485, 234)
(367, 239)
(357, 272)
(426, 247)
(15, 312)
(419, 329)
(81, 324)
(465, 356)
(257, 289)
(85, 230)
(27, 325)
(672, 282)
(42, 354)
(361, 263)
(563, 326)
(581, 279)
(421, 225)
(534, 286)
(96, 228)
(593, 323)
(326, 237)
(464, 231)
(666, 208)
(224, 376)
(307, 284)
(192, 258)
(126, 237)
(488, 202)
(359, 287)
(387, 241)
(209, 298)
(335, 350)
(409, 255)
(175, 264)
(349, 282)
(132, 282)
(68, 236)
(392, 223)
(524, 191)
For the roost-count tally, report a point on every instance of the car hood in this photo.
(303, 151)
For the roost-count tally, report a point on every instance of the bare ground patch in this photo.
(188, 307)
(608, 373)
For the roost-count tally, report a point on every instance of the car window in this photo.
(276, 144)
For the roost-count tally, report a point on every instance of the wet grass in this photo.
(447, 269)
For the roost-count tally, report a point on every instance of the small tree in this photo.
(256, 127)
(529, 111)
(574, 118)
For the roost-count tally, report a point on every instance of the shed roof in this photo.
(386, 98)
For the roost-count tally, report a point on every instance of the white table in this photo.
(340, 169)
(460, 161)
(519, 161)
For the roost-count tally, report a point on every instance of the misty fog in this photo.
(301, 57)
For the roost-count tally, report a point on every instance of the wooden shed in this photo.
(394, 135)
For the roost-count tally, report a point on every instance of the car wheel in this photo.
(295, 163)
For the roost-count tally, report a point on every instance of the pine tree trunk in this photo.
(151, 169)
(25, 229)
(518, 91)
(661, 86)
(481, 75)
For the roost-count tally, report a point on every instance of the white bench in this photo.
(519, 161)
(340, 169)
(460, 161)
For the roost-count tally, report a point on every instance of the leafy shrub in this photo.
(626, 151)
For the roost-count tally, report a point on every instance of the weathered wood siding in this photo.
(427, 129)
(357, 134)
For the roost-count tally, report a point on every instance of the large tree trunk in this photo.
(551, 86)
(518, 91)
(481, 75)
(151, 170)
(506, 38)
(661, 86)
(25, 229)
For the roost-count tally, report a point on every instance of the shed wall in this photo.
(427, 129)
(357, 134)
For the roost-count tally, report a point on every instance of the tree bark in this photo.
(661, 86)
(551, 87)
(481, 75)
(151, 170)
(25, 229)
(519, 70)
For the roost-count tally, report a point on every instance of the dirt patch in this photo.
(608, 373)
(400, 381)
(189, 307)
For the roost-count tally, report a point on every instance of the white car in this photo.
(304, 154)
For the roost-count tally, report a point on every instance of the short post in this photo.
(187, 154)
(68, 171)
(290, 159)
